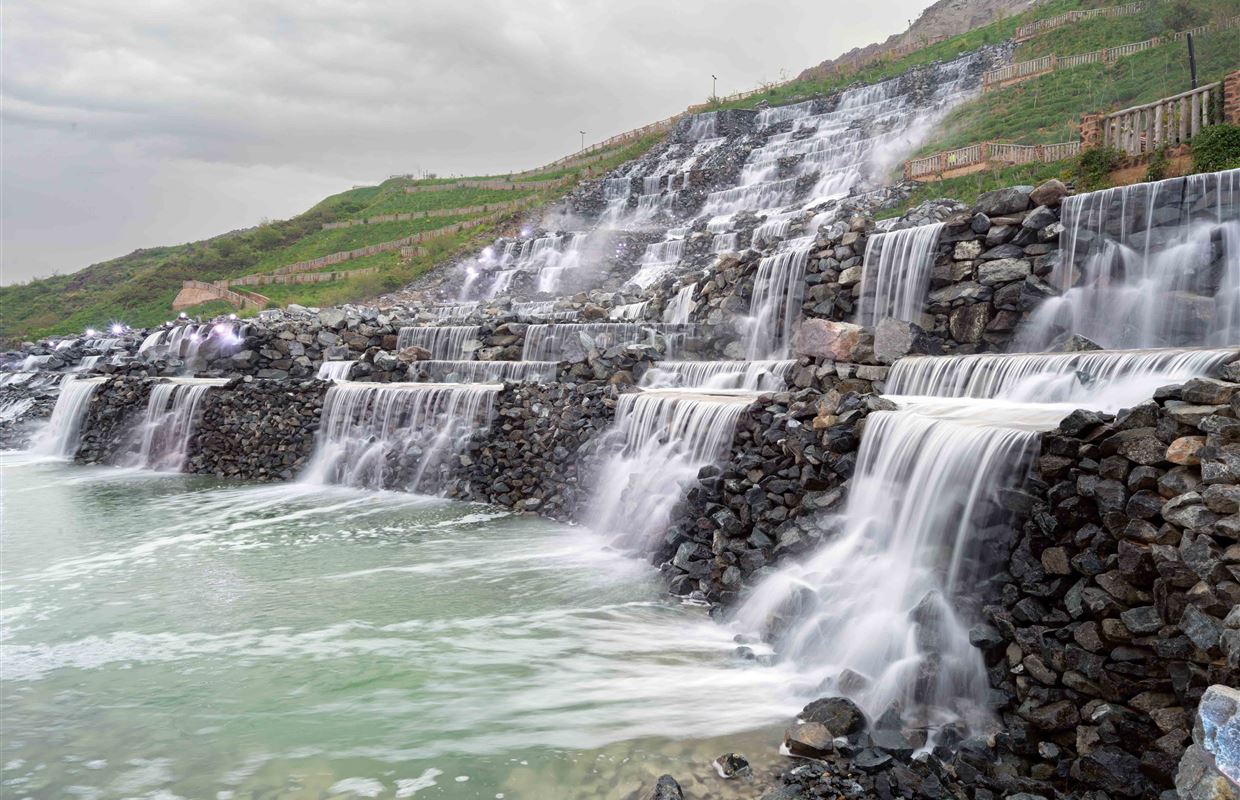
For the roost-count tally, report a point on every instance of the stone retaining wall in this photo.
(256, 430)
(1124, 598)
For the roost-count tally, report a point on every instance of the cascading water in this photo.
(659, 259)
(628, 312)
(1104, 379)
(680, 309)
(554, 342)
(896, 273)
(396, 436)
(335, 370)
(169, 423)
(871, 615)
(750, 376)
(775, 307)
(60, 437)
(660, 439)
(1148, 265)
(487, 371)
(445, 342)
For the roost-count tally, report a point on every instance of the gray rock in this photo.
(839, 714)
(811, 739)
(1004, 201)
(893, 339)
(665, 788)
(1210, 768)
(1049, 193)
(1003, 270)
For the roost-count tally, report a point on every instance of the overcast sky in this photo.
(147, 122)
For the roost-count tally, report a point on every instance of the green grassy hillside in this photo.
(139, 288)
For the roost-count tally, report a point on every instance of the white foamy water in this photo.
(271, 640)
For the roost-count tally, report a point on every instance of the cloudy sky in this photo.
(145, 122)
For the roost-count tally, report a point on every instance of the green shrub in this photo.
(1217, 148)
(1181, 15)
(1158, 165)
(1094, 166)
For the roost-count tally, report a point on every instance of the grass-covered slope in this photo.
(138, 288)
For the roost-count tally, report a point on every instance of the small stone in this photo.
(665, 788)
(732, 765)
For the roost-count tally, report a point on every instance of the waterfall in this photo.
(443, 342)
(169, 422)
(558, 342)
(629, 312)
(775, 307)
(660, 439)
(543, 309)
(1106, 379)
(32, 363)
(1148, 265)
(87, 363)
(60, 437)
(396, 435)
(487, 371)
(896, 273)
(455, 311)
(658, 259)
(870, 614)
(723, 243)
(703, 126)
(679, 310)
(335, 370)
(750, 376)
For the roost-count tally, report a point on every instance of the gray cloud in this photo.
(139, 123)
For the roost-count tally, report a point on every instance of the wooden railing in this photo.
(493, 185)
(304, 277)
(1167, 122)
(988, 153)
(412, 215)
(1015, 73)
(1032, 29)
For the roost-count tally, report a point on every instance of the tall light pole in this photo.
(583, 139)
(713, 81)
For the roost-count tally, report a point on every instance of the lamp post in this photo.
(583, 139)
(713, 82)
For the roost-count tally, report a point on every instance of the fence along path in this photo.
(412, 215)
(1164, 123)
(493, 185)
(1026, 70)
(961, 159)
(1032, 29)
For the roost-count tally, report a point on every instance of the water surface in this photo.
(172, 636)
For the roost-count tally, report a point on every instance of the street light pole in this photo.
(713, 93)
(583, 139)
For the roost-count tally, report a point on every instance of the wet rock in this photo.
(841, 715)
(732, 765)
(665, 788)
(810, 739)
